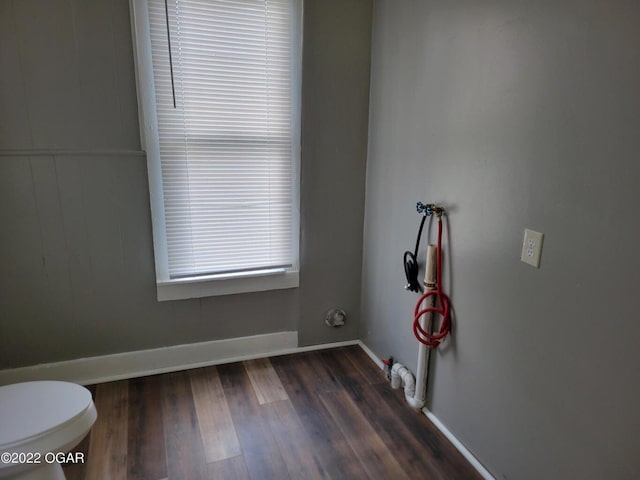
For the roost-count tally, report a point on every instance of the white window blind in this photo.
(223, 87)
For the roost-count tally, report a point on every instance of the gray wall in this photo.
(515, 114)
(335, 91)
(76, 247)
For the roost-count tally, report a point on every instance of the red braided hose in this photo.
(440, 307)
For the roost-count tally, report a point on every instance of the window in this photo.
(218, 89)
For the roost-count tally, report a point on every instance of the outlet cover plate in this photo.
(532, 247)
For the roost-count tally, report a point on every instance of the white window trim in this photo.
(212, 285)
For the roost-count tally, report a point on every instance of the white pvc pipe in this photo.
(422, 373)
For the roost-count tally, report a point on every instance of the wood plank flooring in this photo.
(315, 415)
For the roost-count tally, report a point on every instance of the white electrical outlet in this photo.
(532, 247)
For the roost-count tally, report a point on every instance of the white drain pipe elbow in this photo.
(401, 376)
(415, 403)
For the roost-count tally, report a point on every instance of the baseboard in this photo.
(456, 443)
(372, 355)
(440, 426)
(140, 363)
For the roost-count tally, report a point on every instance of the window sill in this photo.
(214, 285)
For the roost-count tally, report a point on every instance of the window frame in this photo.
(221, 284)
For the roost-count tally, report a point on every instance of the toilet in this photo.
(40, 422)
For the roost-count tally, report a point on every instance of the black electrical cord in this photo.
(410, 260)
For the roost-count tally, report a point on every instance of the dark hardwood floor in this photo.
(325, 414)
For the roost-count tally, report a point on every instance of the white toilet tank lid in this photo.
(31, 409)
